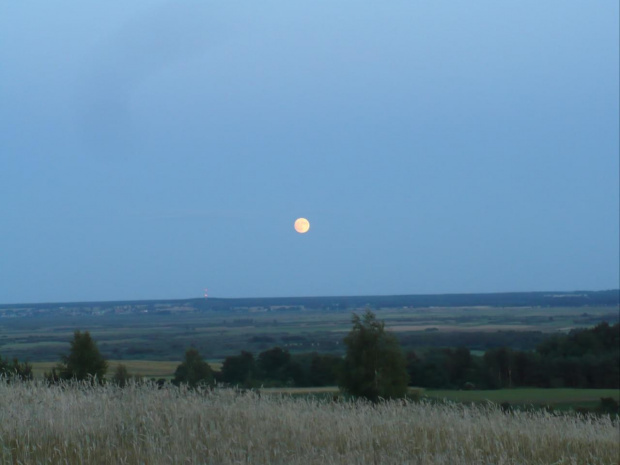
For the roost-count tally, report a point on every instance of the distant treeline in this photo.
(586, 358)
(505, 299)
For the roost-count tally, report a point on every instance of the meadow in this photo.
(142, 424)
(562, 398)
(557, 399)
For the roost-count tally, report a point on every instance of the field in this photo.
(143, 424)
(217, 334)
(144, 368)
(560, 399)
(146, 425)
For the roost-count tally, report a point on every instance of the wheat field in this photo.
(141, 424)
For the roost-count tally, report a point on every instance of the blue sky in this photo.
(150, 149)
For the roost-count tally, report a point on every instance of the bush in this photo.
(15, 369)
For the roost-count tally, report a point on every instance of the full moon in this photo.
(302, 225)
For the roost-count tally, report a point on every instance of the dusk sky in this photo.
(152, 149)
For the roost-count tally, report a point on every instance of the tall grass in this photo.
(79, 424)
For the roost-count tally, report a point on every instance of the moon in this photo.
(302, 225)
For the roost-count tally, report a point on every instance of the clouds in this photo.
(147, 43)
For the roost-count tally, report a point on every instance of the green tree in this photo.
(374, 365)
(239, 369)
(193, 371)
(273, 364)
(84, 361)
(324, 369)
(277, 368)
(498, 363)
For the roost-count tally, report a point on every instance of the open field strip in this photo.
(526, 395)
(462, 328)
(143, 424)
(144, 368)
(521, 396)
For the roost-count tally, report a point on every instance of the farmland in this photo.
(144, 368)
(146, 423)
(162, 331)
(526, 396)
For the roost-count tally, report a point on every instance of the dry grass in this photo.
(145, 425)
(144, 368)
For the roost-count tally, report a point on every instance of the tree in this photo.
(324, 369)
(84, 361)
(273, 363)
(277, 368)
(193, 371)
(239, 369)
(498, 363)
(414, 368)
(374, 365)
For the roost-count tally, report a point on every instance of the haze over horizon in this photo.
(152, 149)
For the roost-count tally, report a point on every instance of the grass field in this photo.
(146, 425)
(557, 398)
(145, 368)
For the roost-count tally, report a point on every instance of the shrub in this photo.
(15, 370)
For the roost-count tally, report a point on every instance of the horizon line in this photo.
(302, 297)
